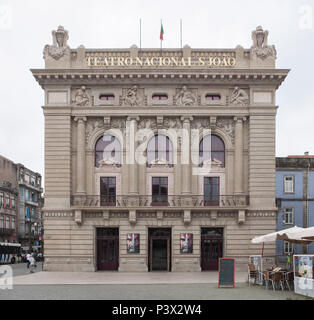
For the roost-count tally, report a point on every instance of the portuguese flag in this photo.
(161, 32)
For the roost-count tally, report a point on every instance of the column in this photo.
(186, 155)
(238, 156)
(80, 158)
(131, 149)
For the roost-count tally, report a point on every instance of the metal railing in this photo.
(177, 201)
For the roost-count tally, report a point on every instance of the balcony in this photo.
(149, 201)
(6, 232)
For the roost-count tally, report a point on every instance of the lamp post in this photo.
(30, 222)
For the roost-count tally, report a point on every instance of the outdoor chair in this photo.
(276, 279)
(266, 278)
(288, 279)
(252, 273)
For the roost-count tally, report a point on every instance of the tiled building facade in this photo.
(295, 196)
(158, 160)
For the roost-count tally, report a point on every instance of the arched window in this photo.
(108, 148)
(159, 151)
(212, 147)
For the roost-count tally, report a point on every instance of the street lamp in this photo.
(30, 222)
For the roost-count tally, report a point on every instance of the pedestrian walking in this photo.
(28, 256)
(32, 264)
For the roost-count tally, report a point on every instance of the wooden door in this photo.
(211, 251)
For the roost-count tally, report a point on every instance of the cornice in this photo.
(138, 75)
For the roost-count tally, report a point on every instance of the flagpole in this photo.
(140, 35)
(160, 38)
(181, 33)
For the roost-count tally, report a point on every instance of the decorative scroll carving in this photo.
(239, 97)
(131, 97)
(185, 98)
(59, 46)
(260, 48)
(82, 98)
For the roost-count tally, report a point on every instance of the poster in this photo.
(186, 244)
(305, 267)
(133, 242)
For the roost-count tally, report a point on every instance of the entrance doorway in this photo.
(211, 248)
(107, 248)
(159, 249)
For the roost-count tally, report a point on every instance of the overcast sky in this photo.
(25, 28)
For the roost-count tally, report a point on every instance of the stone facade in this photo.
(134, 95)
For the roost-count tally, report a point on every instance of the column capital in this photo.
(84, 119)
(186, 118)
(136, 118)
(239, 119)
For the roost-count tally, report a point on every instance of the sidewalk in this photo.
(85, 278)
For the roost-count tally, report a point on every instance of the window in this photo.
(1, 200)
(33, 213)
(27, 213)
(32, 181)
(7, 222)
(212, 148)
(106, 97)
(1, 222)
(160, 97)
(108, 148)
(288, 216)
(159, 151)
(108, 191)
(212, 97)
(7, 201)
(13, 223)
(289, 184)
(13, 203)
(287, 247)
(21, 192)
(159, 191)
(211, 191)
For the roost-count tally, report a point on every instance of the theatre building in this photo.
(158, 160)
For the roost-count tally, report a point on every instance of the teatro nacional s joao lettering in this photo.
(158, 160)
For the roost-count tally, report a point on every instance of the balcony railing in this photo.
(177, 201)
(6, 232)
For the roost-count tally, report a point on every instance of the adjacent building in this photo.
(8, 201)
(30, 219)
(295, 198)
(20, 205)
(158, 159)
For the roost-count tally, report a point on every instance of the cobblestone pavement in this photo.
(145, 292)
(120, 286)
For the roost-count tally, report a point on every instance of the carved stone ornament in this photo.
(159, 163)
(227, 125)
(239, 97)
(131, 97)
(82, 98)
(148, 123)
(212, 163)
(260, 48)
(59, 46)
(92, 126)
(107, 162)
(173, 123)
(185, 98)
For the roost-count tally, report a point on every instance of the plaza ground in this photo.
(132, 286)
